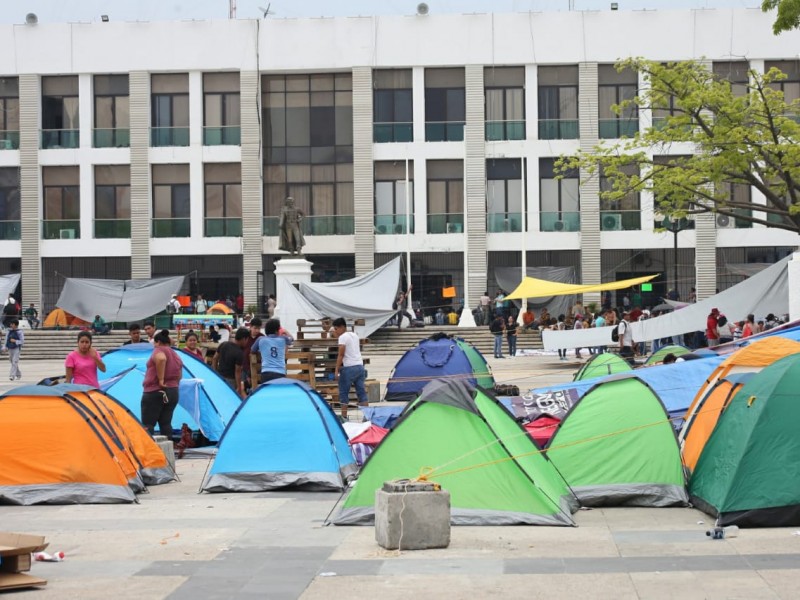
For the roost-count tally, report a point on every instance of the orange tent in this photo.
(219, 309)
(61, 318)
(706, 416)
(68, 444)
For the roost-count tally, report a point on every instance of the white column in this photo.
(418, 101)
(85, 110)
(793, 272)
(196, 189)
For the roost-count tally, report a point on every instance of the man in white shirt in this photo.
(625, 337)
(349, 364)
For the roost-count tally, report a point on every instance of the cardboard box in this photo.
(15, 556)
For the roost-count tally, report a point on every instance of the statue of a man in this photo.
(292, 240)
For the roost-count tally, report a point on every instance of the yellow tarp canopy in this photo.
(541, 288)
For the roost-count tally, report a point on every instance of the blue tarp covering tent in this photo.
(206, 402)
(437, 357)
(676, 384)
(284, 434)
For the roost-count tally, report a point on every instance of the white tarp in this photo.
(367, 297)
(292, 306)
(8, 284)
(117, 299)
(763, 293)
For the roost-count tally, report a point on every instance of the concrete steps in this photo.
(50, 344)
(391, 341)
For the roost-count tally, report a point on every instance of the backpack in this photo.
(615, 333)
(722, 321)
(171, 309)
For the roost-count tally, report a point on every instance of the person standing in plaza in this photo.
(497, 328)
(14, 341)
(83, 363)
(625, 334)
(712, 328)
(511, 336)
(200, 305)
(229, 360)
(134, 335)
(271, 303)
(349, 364)
(401, 306)
(485, 301)
(272, 349)
(160, 386)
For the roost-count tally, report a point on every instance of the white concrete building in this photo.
(147, 149)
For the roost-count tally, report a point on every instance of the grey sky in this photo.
(59, 11)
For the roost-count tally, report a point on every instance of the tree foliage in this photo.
(788, 16)
(712, 138)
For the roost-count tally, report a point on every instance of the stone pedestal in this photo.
(289, 273)
(167, 447)
(425, 516)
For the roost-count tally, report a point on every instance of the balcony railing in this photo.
(111, 138)
(620, 220)
(60, 138)
(61, 230)
(503, 222)
(231, 227)
(444, 131)
(9, 230)
(617, 128)
(169, 136)
(392, 224)
(112, 228)
(163, 228)
(446, 223)
(560, 221)
(9, 140)
(558, 129)
(505, 130)
(222, 136)
(392, 132)
(316, 225)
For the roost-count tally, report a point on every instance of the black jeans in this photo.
(270, 375)
(156, 411)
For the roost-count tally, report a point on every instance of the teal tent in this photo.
(616, 446)
(748, 473)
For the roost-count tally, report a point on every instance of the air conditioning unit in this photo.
(559, 226)
(725, 222)
(612, 222)
(454, 228)
(66, 234)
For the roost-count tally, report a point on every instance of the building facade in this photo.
(167, 148)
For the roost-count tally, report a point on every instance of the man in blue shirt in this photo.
(272, 348)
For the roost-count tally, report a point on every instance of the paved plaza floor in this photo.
(178, 544)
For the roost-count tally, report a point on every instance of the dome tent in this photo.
(599, 365)
(437, 357)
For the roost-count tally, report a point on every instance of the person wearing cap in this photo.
(712, 329)
(175, 303)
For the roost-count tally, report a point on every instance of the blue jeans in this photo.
(498, 346)
(512, 345)
(349, 376)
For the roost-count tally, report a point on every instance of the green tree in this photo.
(714, 136)
(788, 16)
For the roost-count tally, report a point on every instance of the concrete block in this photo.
(412, 516)
(167, 447)
(373, 387)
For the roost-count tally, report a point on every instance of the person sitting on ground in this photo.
(213, 335)
(134, 333)
(32, 315)
(271, 348)
(99, 326)
(528, 319)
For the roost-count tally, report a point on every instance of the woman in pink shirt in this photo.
(160, 386)
(82, 364)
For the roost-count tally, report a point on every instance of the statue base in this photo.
(290, 272)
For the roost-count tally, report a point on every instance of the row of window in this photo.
(315, 111)
(323, 192)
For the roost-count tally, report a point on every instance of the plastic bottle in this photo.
(720, 533)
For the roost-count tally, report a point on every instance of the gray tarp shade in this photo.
(763, 293)
(508, 278)
(117, 299)
(367, 297)
(8, 283)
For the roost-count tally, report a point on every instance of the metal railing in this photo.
(446, 223)
(10, 230)
(9, 140)
(560, 221)
(60, 138)
(169, 136)
(392, 224)
(392, 132)
(59, 229)
(503, 222)
(230, 227)
(111, 138)
(112, 228)
(505, 130)
(617, 128)
(558, 129)
(444, 131)
(222, 136)
(171, 228)
(315, 225)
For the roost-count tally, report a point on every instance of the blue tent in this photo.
(437, 357)
(284, 434)
(205, 401)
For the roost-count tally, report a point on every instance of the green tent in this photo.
(749, 471)
(658, 355)
(469, 439)
(599, 365)
(616, 446)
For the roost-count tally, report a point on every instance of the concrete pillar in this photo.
(290, 273)
(793, 273)
(412, 516)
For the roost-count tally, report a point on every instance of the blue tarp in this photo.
(430, 359)
(205, 402)
(382, 416)
(283, 434)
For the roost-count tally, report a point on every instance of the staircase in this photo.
(50, 344)
(391, 341)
